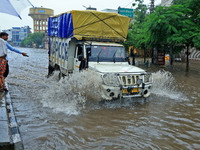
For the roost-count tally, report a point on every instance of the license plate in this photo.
(135, 90)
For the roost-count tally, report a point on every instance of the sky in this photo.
(60, 6)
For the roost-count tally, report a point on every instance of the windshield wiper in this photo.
(98, 56)
(114, 56)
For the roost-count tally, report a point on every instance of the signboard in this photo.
(126, 12)
(41, 11)
(161, 57)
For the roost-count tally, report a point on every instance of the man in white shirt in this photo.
(4, 36)
(3, 61)
(3, 48)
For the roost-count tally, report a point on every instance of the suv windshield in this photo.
(107, 53)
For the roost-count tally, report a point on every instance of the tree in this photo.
(177, 25)
(33, 38)
(130, 38)
(26, 42)
(140, 14)
(194, 16)
(180, 2)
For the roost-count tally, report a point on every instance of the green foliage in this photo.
(33, 39)
(178, 25)
(181, 2)
(194, 5)
(130, 39)
(165, 24)
(196, 40)
(140, 14)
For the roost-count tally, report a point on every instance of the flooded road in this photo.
(62, 115)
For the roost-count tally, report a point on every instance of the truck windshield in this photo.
(107, 53)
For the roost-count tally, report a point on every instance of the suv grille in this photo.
(129, 80)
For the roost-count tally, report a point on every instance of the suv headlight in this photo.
(110, 79)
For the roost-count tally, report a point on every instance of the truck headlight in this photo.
(110, 79)
(147, 78)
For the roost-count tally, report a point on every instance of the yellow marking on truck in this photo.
(78, 67)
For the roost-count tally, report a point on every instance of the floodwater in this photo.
(65, 114)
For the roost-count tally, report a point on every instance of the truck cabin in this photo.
(107, 53)
(101, 53)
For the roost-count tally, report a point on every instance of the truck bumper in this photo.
(110, 93)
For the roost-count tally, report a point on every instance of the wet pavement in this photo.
(9, 131)
(4, 123)
(62, 115)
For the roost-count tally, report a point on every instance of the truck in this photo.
(91, 40)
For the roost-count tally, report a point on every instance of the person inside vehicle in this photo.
(81, 58)
(80, 53)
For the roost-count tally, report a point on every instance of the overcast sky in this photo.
(60, 6)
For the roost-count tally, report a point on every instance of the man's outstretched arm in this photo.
(14, 50)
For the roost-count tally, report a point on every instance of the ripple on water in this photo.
(64, 115)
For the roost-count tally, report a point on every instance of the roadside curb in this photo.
(13, 125)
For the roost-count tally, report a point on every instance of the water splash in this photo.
(70, 94)
(165, 85)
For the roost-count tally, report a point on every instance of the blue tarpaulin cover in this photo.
(61, 26)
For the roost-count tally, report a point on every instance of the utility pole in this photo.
(152, 6)
(171, 49)
(152, 52)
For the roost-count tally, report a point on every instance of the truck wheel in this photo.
(60, 75)
(50, 70)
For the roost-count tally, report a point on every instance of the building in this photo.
(40, 17)
(166, 2)
(90, 8)
(17, 34)
(110, 10)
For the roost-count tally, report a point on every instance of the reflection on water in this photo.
(64, 114)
